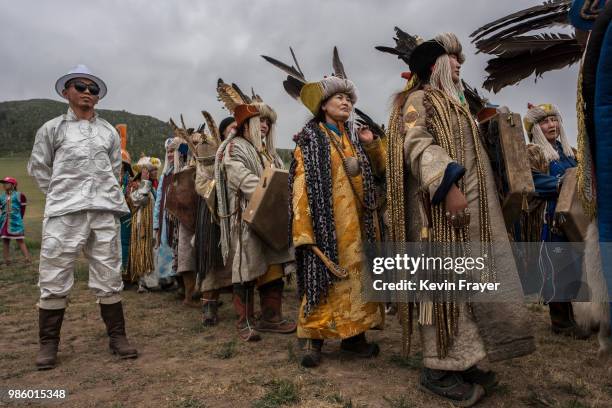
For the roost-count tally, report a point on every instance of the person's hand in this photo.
(156, 238)
(365, 135)
(455, 204)
(144, 174)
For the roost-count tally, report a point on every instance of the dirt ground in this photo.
(183, 364)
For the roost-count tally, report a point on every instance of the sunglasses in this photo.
(81, 87)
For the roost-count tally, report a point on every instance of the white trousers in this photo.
(97, 234)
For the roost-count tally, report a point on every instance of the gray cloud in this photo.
(163, 58)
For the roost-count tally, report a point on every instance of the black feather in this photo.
(549, 13)
(519, 56)
(293, 87)
(289, 70)
(295, 80)
(337, 65)
(389, 50)
(363, 118)
(536, 24)
(509, 47)
(404, 45)
(296, 62)
(509, 71)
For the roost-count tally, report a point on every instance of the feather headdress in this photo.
(406, 43)
(212, 127)
(253, 109)
(312, 94)
(518, 56)
(231, 96)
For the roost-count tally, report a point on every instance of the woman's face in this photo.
(7, 187)
(455, 68)
(264, 127)
(338, 108)
(170, 155)
(550, 128)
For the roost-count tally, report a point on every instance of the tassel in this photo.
(426, 313)
(525, 203)
(405, 315)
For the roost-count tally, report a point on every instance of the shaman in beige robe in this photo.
(249, 254)
(497, 330)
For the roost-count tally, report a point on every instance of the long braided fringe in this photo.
(396, 202)
(140, 261)
(585, 173)
(207, 241)
(440, 110)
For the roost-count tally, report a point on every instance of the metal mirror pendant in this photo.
(352, 166)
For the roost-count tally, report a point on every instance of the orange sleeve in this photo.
(303, 233)
(377, 153)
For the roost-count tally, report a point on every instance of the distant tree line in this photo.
(19, 121)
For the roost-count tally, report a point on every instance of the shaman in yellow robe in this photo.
(343, 313)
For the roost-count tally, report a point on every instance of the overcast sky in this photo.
(163, 58)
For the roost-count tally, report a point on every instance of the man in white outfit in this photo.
(76, 161)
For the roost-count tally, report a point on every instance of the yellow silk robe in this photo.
(343, 313)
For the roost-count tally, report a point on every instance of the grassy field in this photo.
(185, 365)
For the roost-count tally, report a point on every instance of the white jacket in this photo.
(77, 163)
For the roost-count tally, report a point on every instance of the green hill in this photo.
(19, 121)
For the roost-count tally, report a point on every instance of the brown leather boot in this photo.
(562, 321)
(271, 303)
(244, 305)
(189, 278)
(210, 305)
(451, 386)
(359, 346)
(49, 326)
(115, 327)
(311, 353)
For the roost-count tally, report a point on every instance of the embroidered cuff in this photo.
(546, 186)
(452, 174)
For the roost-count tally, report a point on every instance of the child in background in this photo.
(12, 209)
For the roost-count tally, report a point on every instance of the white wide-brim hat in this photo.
(80, 71)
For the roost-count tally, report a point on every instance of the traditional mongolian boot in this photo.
(210, 305)
(451, 386)
(49, 326)
(311, 356)
(115, 327)
(359, 346)
(244, 305)
(562, 321)
(486, 378)
(180, 287)
(189, 279)
(271, 304)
